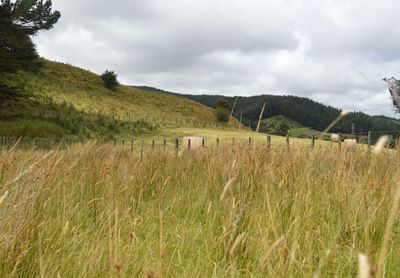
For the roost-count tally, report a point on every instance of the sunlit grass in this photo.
(232, 210)
(86, 92)
(66, 101)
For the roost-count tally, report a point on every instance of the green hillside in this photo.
(62, 100)
(281, 125)
(276, 123)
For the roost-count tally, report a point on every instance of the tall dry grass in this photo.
(97, 211)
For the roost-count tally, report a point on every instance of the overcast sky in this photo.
(335, 52)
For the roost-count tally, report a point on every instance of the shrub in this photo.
(222, 111)
(222, 114)
(283, 128)
(110, 79)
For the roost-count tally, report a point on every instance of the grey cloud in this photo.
(334, 51)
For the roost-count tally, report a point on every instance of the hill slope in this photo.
(65, 100)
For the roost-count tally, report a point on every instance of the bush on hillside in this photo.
(222, 114)
(222, 111)
(110, 79)
(283, 128)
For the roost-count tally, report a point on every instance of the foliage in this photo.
(222, 114)
(18, 20)
(283, 128)
(31, 16)
(110, 79)
(222, 103)
(222, 111)
(17, 50)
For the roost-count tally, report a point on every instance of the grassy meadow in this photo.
(93, 210)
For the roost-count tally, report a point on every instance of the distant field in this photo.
(232, 211)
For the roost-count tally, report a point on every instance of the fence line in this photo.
(128, 119)
(49, 143)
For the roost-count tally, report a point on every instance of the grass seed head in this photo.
(344, 113)
(364, 269)
(381, 144)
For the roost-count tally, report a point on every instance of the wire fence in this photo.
(179, 143)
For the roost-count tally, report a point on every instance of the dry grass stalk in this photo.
(233, 109)
(2, 198)
(226, 187)
(28, 170)
(236, 243)
(268, 251)
(342, 114)
(259, 119)
(15, 145)
(388, 233)
(161, 251)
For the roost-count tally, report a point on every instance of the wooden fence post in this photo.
(312, 141)
(176, 145)
(132, 142)
(339, 141)
(153, 144)
(217, 141)
(189, 144)
(141, 149)
(268, 141)
(202, 142)
(165, 143)
(114, 142)
(369, 141)
(249, 140)
(287, 140)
